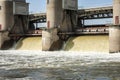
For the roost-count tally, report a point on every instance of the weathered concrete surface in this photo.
(3, 37)
(114, 39)
(114, 31)
(37, 65)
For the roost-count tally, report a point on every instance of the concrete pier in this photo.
(6, 19)
(114, 38)
(13, 18)
(115, 28)
(54, 18)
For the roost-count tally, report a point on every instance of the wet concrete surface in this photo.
(37, 65)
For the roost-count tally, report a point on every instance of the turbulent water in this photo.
(29, 43)
(98, 43)
(71, 65)
(37, 65)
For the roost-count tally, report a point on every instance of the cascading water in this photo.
(29, 43)
(88, 43)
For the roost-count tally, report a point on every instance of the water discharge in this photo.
(38, 65)
(29, 43)
(88, 43)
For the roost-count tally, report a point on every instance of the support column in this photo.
(114, 34)
(50, 39)
(6, 19)
(114, 38)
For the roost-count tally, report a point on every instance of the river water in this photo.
(37, 65)
(84, 58)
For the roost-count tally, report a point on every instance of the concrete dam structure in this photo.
(115, 28)
(65, 28)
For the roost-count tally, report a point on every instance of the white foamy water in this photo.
(37, 59)
(38, 65)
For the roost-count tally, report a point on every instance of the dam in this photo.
(65, 49)
(65, 27)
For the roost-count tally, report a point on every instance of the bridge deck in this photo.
(91, 13)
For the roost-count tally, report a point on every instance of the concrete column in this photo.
(49, 37)
(54, 18)
(114, 38)
(114, 34)
(54, 13)
(6, 19)
(116, 12)
(6, 14)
